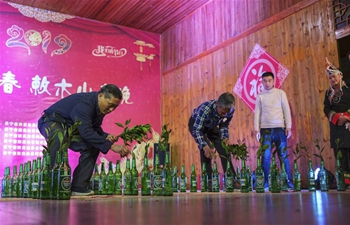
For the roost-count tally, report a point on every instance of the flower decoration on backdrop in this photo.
(41, 15)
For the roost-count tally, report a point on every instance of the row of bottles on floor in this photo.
(37, 180)
(43, 183)
(161, 181)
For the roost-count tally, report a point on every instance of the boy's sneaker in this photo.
(82, 192)
(290, 186)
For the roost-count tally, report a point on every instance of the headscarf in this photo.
(334, 93)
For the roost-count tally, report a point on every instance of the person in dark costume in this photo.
(337, 110)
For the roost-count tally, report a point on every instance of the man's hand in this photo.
(226, 141)
(112, 138)
(288, 133)
(121, 150)
(208, 152)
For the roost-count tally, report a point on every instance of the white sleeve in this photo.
(286, 111)
(257, 114)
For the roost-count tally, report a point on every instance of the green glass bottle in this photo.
(238, 178)
(35, 182)
(183, 180)
(96, 180)
(229, 178)
(283, 175)
(260, 178)
(145, 179)
(26, 181)
(275, 177)
(5, 184)
(55, 176)
(38, 171)
(339, 174)
(157, 179)
(30, 179)
(323, 178)
(14, 182)
(167, 177)
(110, 179)
(127, 179)
(204, 179)
(175, 179)
(118, 179)
(311, 178)
(134, 178)
(244, 178)
(215, 179)
(30, 171)
(193, 179)
(296, 178)
(238, 175)
(9, 181)
(250, 183)
(20, 182)
(65, 172)
(45, 179)
(102, 189)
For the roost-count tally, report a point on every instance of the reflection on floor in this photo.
(304, 207)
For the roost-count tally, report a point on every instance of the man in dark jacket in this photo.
(89, 109)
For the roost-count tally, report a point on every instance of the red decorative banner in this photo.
(48, 57)
(249, 85)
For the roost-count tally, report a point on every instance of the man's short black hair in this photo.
(268, 74)
(111, 90)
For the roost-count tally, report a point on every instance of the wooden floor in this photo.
(297, 208)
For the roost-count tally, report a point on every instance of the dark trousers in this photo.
(212, 135)
(88, 153)
(344, 159)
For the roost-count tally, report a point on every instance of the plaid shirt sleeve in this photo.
(200, 116)
(224, 127)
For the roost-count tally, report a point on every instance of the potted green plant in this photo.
(322, 177)
(339, 174)
(163, 146)
(310, 173)
(138, 133)
(65, 136)
(296, 174)
(259, 173)
(239, 152)
(61, 172)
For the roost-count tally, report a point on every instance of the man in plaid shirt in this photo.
(208, 125)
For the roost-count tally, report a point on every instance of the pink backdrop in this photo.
(42, 62)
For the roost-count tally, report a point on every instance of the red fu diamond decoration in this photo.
(249, 85)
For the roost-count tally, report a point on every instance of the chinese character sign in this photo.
(249, 85)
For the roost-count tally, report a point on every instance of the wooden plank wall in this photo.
(300, 41)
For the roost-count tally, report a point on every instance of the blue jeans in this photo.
(279, 138)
